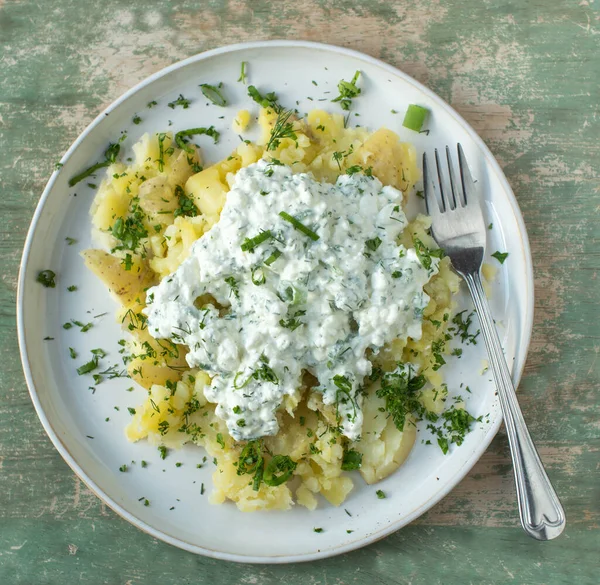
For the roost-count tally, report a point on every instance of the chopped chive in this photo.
(250, 243)
(242, 77)
(415, 117)
(180, 137)
(276, 253)
(299, 226)
(213, 93)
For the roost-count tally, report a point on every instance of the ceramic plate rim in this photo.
(526, 330)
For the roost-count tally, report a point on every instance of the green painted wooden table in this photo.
(524, 74)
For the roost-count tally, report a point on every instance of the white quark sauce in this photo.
(322, 304)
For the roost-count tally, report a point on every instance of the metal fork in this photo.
(459, 229)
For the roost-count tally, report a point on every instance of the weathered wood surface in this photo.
(524, 74)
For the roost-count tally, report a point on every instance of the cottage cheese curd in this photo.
(305, 276)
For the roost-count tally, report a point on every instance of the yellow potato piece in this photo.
(208, 190)
(124, 285)
(393, 162)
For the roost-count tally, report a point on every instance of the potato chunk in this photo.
(124, 285)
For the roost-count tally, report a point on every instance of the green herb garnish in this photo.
(258, 276)
(500, 256)
(181, 136)
(282, 128)
(110, 156)
(213, 93)
(46, 278)
(425, 254)
(250, 244)
(299, 226)
(242, 77)
(348, 90)
(292, 322)
(380, 494)
(400, 391)
(180, 101)
(276, 254)
(373, 244)
(279, 469)
(187, 207)
(267, 101)
(415, 117)
(136, 120)
(352, 460)
(88, 366)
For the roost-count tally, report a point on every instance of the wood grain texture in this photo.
(524, 74)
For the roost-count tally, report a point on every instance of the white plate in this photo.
(70, 412)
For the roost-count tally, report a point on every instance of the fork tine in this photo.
(468, 184)
(454, 186)
(443, 184)
(431, 201)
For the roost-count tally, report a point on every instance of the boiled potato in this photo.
(384, 448)
(393, 162)
(208, 190)
(124, 285)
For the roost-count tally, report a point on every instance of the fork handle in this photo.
(541, 512)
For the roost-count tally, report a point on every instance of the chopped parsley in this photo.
(279, 469)
(72, 288)
(500, 256)
(187, 207)
(352, 460)
(181, 102)
(70, 241)
(380, 494)
(267, 101)
(292, 322)
(88, 366)
(348, 90)
(46, 278)
(136, 120)
(232, 282)
(425, 254)
(373, 244)
(400, 390)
